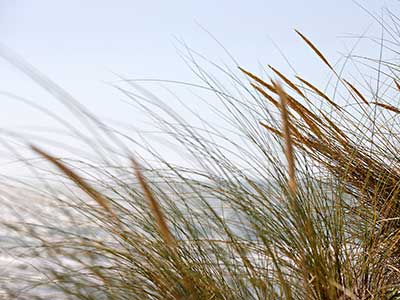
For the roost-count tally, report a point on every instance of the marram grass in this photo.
(306, 206)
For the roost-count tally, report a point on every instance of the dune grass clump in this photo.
(303, 202)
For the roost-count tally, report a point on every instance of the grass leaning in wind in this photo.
(288, 139)
(320, 224)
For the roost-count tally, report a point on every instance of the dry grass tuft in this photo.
(243, 221)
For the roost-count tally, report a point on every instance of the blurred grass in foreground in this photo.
(306, 206)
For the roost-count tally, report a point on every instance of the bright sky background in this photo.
(80, 43)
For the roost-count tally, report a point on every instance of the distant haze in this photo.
(80, 44)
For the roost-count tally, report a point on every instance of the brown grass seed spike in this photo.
(289, 151)
(154, 206)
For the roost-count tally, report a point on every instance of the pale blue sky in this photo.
(78, 43)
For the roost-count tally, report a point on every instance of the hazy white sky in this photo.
(79, 43)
